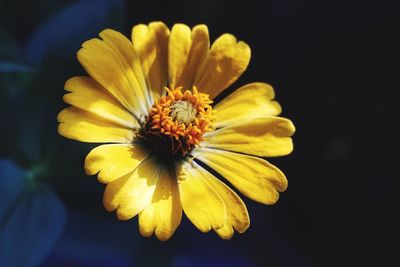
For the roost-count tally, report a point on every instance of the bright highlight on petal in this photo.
(237, 217)
(149, 100)
(202, 205)
(131, 193)
(113, 161)
(163, 215)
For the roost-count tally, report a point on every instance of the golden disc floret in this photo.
(182, 116)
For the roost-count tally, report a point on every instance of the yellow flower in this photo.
(151, 101)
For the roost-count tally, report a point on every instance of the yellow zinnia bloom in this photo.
(150, 100)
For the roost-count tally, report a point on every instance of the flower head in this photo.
(151, 101)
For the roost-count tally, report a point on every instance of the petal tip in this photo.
(124, 215)
(163, 235)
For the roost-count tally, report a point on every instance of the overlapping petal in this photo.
(131, 193)
(90, 96)
(112, 62)
(237, 217)
(263, 137)
(151, 45)
(252, 176)
(202, 205)
(209, 203)
(163, 215)
(254, 100)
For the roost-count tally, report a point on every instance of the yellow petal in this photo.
(201, 204)
(252, 176)
(84, 126)
(251, 101)
(237, 216)
(114, 65)
(200, 44)
(88, 95)
(113, 161)
(226, 61)
(131, 193)
(163, 215)
(187, 53)
(263, 137)
(151, 44)
(178, 52)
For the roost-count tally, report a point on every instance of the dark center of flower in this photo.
(177, 122)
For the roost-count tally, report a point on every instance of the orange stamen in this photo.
(184, 134)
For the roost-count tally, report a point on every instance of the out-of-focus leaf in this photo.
(31, 220)
(12, 185)
(15, 80)
(31, 137)
(64, 32)
(15, 74)
(9, 66)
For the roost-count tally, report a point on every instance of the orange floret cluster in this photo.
(190, 132)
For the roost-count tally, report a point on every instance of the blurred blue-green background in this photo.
(335, 68)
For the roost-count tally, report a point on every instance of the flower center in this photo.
(177, 122)
(183, 111)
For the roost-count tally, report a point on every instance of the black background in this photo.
(335, 69)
